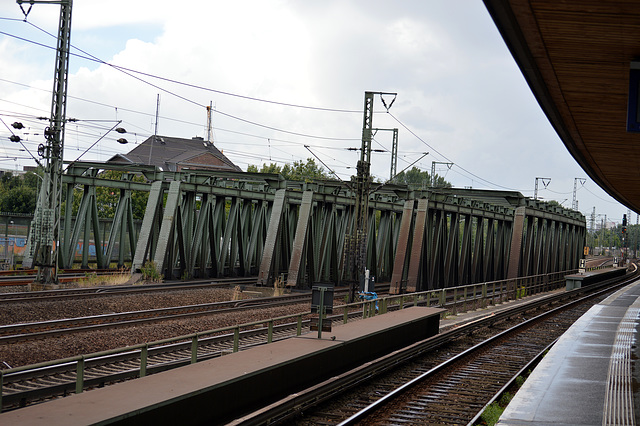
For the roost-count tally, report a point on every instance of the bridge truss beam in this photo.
(214, 224)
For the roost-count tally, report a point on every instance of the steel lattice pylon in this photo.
(43, 240)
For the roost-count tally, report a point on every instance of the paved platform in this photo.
(218, 390)
(583, 279)
(586, 378)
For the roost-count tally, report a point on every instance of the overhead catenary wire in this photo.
(126, 70)
(445, 157)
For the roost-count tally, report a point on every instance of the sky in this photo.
(286, 80)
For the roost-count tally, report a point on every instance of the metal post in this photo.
(80, 375)
(321, 311)
(433, 171)
(194, 349)
(236, 339)
(46, 220)
(357, 253)
(394, 155)
(143, 360)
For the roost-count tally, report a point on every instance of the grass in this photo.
(278, 287)
(149, 272)
(93, 279)
(492, 413)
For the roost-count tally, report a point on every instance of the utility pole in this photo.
(357, 249)
(433, 171)
(574, 204)
(155, 129)
(545, 183)
(394, 150)
(209, 125)
(44, 240)
(394, 155)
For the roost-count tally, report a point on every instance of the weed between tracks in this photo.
(493, 412)
(92, 279)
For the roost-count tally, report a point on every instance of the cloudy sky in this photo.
(284, 74)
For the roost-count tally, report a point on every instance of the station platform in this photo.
(219, 390)
(587, 376)
(583, 279)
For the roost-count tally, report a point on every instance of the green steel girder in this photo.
(203, 223)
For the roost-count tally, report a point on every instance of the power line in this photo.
(446, 158)
(126, 70)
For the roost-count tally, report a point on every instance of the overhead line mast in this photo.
(44, 238)
(357, 252)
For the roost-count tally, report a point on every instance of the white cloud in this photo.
(458, 88)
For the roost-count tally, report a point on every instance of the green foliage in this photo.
(107, 198)
(18, 193)
(612, 238)
(505, 399)
(419, 179)
(491, 414)
(271, 168)
(20, 199)
(299, 170)
(149, 272)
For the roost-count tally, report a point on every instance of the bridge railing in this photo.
(470, 297)
(455, 299)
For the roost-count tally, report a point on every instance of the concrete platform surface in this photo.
(585, 379)
(218, 390)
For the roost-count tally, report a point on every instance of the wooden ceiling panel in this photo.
(575, 57)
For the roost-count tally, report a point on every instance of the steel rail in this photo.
(48, 380)
(32, 331)
(17, 394)
(305, 399)
(370, 410)
(63, 294)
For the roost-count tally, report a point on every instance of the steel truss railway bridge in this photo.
(213, 224)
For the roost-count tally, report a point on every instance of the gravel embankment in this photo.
(18, 354)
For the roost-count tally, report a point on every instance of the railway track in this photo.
(90, 292)
(455, 391)
(447, 379)
(22, 277)
(13, 333)
(42, 382)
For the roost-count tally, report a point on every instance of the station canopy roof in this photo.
(576, 56)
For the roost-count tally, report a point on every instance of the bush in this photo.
(149, 272)
(491, 415)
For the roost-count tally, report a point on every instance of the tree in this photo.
(18, 193)
(271, 168)
(299, 170)
(19, 199)
(419, 179)
(107, 198)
